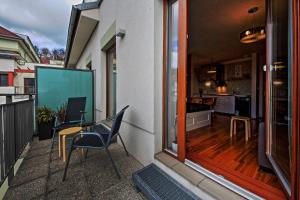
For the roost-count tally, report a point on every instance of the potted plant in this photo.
(61, 112)
(45, 119)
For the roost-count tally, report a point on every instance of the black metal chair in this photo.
(100, 139)
(74, 115)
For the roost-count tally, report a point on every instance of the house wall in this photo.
(7, 65)
(139, 71)
(8, 44)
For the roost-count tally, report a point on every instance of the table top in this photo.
(69, 131)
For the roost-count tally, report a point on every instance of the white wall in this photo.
(7, 65)
(139, 71)
(135, 81)
(98, 58)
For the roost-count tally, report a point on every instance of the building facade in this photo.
(15, 51)
(144, 54)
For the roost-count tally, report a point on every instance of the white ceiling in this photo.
(215, 26)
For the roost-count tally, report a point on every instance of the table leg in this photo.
(64, 148)
(246, 131)
(59, 146)
(231, 127)
(234, 127)
(249, 129)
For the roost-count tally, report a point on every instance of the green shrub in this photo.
(44, 114)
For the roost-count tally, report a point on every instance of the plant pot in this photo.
(45, 130)
(174, 147)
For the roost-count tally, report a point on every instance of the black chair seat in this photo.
(101, 129)
(90, 141)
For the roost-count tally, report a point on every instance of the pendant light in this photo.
(212, 68)
(253, 34)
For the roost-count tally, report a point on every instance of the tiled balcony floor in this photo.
(40, 175)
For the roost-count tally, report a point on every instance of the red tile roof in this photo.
(45, 60)
(6, 33)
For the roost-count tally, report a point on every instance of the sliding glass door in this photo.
(279, 89)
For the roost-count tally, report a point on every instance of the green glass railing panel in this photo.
(55, 86)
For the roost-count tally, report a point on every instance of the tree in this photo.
(45, 52)
(55, 54)
(61, 53)
(36, 49)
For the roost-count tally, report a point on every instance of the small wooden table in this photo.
(247, 122)
(62, 139)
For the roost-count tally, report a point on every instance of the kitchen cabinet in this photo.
(225, 104)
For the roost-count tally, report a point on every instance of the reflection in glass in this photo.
(280, 87)
(172, 67)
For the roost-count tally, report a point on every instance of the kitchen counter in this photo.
(236, 95)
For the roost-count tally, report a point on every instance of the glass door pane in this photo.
(172, 71)
(279, 82)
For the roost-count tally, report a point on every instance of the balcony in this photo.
(30, 169)
(40, 175)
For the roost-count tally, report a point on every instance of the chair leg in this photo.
(67, 163)
(123, 144)
(249, 128)
(246, 131)
(86, 153)
(231, 127)
(113, 163)
(234, 127)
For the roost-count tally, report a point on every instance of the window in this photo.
(3, 80)
(29, 85)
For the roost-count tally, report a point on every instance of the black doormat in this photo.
(156, 184)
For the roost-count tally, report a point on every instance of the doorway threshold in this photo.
(222, 181)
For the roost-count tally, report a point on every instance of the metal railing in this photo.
(16, 131)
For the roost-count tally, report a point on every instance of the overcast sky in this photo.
(44, 21)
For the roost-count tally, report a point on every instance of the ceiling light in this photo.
(207, 83)
(253, 34)
(278, 82)
(211, 71)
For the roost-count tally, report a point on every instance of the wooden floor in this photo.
(235, 159)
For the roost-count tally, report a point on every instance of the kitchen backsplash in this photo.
(237, 77)
(233, 86)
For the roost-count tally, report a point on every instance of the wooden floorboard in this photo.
(234, 158)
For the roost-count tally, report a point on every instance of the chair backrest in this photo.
(117, 122)
(75, 109)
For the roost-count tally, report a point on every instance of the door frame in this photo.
(182, 72)
(295, 154)
(181, 80)
(108, 103)
(295, 170)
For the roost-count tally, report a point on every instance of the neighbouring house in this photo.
(48, 60)
(17, 64)
(15, 51)
(211, 84)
